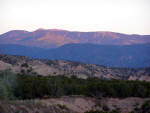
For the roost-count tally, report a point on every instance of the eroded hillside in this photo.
(21, 64)
(75, 104)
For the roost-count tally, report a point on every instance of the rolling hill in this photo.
(22, 64)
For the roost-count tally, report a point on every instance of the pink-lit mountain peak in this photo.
(109, 34)
(42, 29)
(57, 37)
(14, 34)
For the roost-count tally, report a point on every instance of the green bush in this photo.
(145, 107)
(24, 65)
(8, 84)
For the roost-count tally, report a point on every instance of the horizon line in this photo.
(57, 29)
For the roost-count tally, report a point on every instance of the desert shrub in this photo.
(145, 107)
(8, 83)
(24, 65)
(22, 71)
(2, 109)
(105, 108)
(97, 111)
(3, 91)
(62, 106)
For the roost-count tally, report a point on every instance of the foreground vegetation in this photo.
(29, 87)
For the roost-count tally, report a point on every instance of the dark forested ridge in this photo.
(107, 55)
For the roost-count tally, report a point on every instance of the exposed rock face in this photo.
(20, 64)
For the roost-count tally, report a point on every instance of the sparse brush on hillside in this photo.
(25, 65)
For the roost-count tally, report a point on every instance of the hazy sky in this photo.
(126, 16)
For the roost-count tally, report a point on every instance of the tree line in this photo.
(24, 86)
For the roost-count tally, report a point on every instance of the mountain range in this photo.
(101, 48)
(51, 38)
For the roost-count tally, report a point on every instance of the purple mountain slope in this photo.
(51, 38)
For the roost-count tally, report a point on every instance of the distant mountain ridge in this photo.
(134, 56)
(51, 38)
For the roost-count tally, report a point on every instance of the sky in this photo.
(124, 16)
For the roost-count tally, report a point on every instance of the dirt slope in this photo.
(72, 104)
